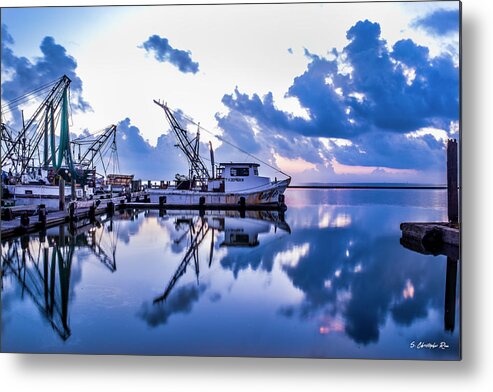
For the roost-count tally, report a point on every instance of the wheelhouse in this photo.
(234, 177)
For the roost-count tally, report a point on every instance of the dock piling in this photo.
(73, 193)
(452, 177)
(110, 208)
(9, 215)
(450, 294)
(42, 215)
(242, 207)
(61, 194)
(71, 212)
(24, 220)
(92, 213)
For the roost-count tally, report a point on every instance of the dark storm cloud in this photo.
(164, 52)
(388, 93)
(440, 22)
(26, 75)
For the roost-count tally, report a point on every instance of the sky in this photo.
(362, 92)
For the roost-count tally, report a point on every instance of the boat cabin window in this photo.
(239, 239)
(255, 171)
(239, 172)
(219, 172)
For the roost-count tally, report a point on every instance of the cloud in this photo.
(440, 22)
(180, 301)
(239, 126)
(340, 278)
(391, 150)
(21, 74)
(137, 156)
(368, 94)
(164, 52)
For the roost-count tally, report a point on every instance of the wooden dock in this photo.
(432, 238)
(28, 219)
(439, 237)
(39, 218)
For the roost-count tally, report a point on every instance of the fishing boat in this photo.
(34, 168)
(227, 183)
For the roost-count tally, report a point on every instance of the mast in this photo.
(190, 147)
(15, 150)
(212, 159)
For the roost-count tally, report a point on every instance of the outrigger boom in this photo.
(228, 183)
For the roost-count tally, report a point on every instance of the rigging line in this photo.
(32, 92)
(16, 102)
(17, 107)
(229, 143)
(83, 139)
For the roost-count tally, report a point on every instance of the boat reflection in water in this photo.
(331, 281)
(237, 231)
(43, 264)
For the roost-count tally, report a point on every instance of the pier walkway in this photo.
(27, 219)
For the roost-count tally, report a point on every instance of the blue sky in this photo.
(326, 92)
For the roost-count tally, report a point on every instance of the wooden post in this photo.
(71, 212)
(24, 220)
(42, 215)
(25, 242)
(92, 213)
(242, 207)
(110, 208)
(61, 194)
(42, 236)
(73, 195)
(452, 178)
(450, 293)
(9, 215)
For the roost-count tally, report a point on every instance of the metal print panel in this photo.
(267, 180)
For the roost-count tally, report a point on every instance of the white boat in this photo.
(235, 183)
(228, 183)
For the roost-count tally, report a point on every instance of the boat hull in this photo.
(267, 195)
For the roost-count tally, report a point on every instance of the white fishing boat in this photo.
(33, 166)
(227, 183)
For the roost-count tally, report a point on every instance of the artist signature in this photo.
(428, 345)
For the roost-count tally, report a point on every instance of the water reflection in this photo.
(326, 280)
(452, 252)
(42, 264)
(354, 281)
(235, 231)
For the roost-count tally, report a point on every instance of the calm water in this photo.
(332, 280)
